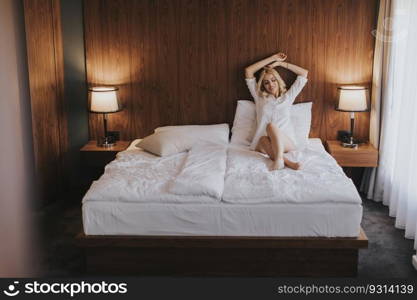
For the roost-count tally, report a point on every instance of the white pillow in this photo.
(165, 143)
(301, 122)
(244, 125)
(217, 133)
(169, 140)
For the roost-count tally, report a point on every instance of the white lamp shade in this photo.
(353, 98)
(104, 100)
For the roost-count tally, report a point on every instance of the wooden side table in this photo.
(364, 156)
(96, 156)
(353, 161)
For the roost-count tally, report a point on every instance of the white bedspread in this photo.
(139, 177)
(203, 172)
(320, 180)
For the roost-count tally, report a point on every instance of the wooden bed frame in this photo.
(221, 256)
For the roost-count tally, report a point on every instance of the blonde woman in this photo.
(274, 134)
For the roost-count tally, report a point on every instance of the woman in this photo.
(274, 134)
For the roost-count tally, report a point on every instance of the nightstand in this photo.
(96, 156)
(364, 156)
(353, 161)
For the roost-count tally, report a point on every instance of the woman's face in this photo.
(270, 84)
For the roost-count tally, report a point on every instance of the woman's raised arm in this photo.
(296, 69)
(252, 69)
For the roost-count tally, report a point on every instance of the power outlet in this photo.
(114, 135)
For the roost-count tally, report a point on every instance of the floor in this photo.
(389, 254)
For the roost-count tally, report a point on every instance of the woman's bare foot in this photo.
(278, 164)
(291, 164)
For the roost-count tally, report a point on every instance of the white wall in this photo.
(16, 152)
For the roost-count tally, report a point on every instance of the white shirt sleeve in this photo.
(251, 83)
(296, 88)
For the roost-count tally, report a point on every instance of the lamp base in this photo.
(105, 142)
(350, 144)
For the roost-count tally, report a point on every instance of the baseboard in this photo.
(415, 261)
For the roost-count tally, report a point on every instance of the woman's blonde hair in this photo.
(282, 88)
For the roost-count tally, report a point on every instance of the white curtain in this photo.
(396, 175)
(382, 54)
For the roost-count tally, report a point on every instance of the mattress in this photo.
(117, 204)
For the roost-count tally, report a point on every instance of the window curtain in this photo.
(395, 179)
(383, 39)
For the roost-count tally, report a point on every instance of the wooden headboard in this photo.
(182, 61)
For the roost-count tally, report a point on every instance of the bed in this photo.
(258, 225)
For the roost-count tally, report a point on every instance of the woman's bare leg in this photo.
(280, 143)
(264, 146)
(273, 133)
(291, 164)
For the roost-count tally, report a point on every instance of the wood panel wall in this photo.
(182, 61)
(45, 66)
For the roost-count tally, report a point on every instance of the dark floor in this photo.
(388, 256)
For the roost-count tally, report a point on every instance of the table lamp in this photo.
(352, 99)
(104, 100)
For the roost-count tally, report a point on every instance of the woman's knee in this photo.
(271, 128)
(263, 140)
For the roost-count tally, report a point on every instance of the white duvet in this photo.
(203, 175)
(138, 176)
(203, 172)
(320, 180)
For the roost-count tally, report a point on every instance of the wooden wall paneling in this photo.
(187, 58)
(287, 37)
(201, 58)
(349, 60)
(138, 32)
(59, 75)
(336, 30)
(219, 105)
(94, 48)
(112, 56)
(151, 68)
(368, 56)
(117, 65)
(317, 63)
(282, 23)
(189, 63)
(301, 53)
(166, 65)
(264, 30)
(239, 56)
(45, 66)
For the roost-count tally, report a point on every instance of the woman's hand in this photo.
(274, 64)
(280, 56)
(250, 71)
